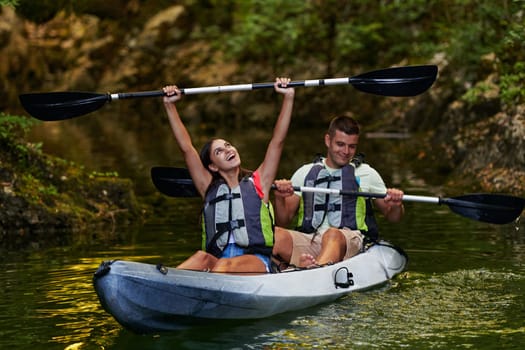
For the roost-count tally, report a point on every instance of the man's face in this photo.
(341, 149)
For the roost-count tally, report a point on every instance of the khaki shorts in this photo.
(303, 243)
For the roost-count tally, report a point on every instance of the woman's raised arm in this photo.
(201, 176)
(269, 166)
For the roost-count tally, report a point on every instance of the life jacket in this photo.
(373, 229)
(237, 213)
(353, 212)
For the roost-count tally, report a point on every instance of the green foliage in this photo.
(267, 29)
(353, 38)
(13, 129)
(14, 126)
(513, 44)
(334, 32)
(9, 2)
(36, 190)
(474, 95)
(478, 33)
(511, 52)
(98, 174)
(512, 89)
(338, 32)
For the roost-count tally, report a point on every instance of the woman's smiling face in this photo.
(223, 156)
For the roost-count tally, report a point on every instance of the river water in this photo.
(463, 286)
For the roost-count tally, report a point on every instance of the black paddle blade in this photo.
(173, 182)
(53, 106)
(397, 81)
(491, 208)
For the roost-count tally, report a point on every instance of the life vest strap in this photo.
(328, 178)
(222, 227)
(225, 197)
(327, 207)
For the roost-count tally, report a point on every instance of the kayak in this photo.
(146, 298)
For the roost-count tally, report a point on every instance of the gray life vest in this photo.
(239, 213)
(340, 211)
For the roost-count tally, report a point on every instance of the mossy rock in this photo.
(45, 198)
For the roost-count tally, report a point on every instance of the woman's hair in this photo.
(205, 155)
(343, 123)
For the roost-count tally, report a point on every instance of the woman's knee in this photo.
(246, 263)
(223, 265)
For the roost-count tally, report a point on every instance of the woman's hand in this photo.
(173, 94)
(281, 84)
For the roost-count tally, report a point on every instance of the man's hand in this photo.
(283, 188)
(394, 197)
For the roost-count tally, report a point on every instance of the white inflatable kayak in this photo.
(146, 298)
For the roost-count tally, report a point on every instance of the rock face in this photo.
(44, 199)
(472, 133)
(48, 219)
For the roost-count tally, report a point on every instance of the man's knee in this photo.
(334, 235)
(283, 244)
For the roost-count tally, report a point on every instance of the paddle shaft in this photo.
(406, 197)
(257, 86)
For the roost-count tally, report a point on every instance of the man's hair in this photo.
(343, 123)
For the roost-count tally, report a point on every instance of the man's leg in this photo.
(306, 248)
(283, 245)
(354, 242)
(333, 247)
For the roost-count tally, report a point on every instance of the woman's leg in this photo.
(247, 263)
(200, 261)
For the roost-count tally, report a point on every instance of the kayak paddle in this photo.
(173, 182)
(484, 207)
(396, 81)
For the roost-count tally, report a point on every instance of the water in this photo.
(463, 287)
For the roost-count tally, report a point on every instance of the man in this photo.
(330, 228)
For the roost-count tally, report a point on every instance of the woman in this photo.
(238, 219)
